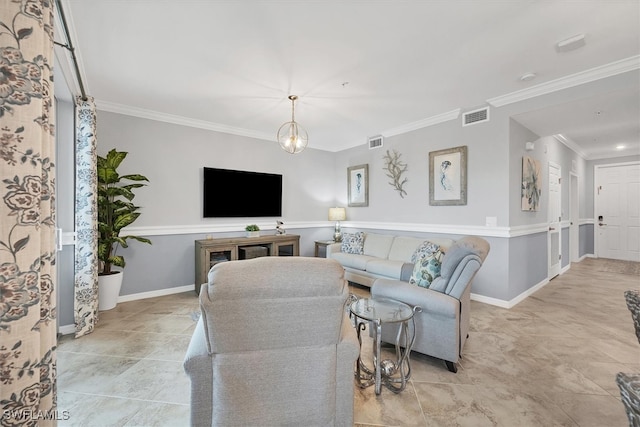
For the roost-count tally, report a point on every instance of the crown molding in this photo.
(571, 145)
(587, 76)
(113, 107)
(429, 121)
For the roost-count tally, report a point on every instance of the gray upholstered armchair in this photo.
(442, 326)
(273, 345)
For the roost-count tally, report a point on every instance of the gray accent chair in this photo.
(442, 327)
(274, 345)
(629, 384)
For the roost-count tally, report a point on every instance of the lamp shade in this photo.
(337, 214)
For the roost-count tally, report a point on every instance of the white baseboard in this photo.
(511, 303)
(489, 300)
(583, 257)
(67, 329)
(71, 329)
(158, 293)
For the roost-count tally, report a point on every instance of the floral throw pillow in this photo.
(353, 243)
(425, 248)
(426, 269)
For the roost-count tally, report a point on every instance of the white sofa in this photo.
(384, 257)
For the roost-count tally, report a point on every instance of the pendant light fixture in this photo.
(291, 136)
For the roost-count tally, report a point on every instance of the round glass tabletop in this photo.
(384, 309)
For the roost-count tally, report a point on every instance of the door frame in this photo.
(553, 222)
(574, 217)
(596, 179)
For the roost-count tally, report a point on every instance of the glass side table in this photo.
(378, 311)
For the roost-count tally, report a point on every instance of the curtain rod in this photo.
(70, 48)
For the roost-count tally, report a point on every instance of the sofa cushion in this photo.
(377, 245)
(352, 243)
(353, 260)
(403, 247)
(427, 268)
(385, 267)
(426, 248)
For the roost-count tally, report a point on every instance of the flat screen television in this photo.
(234, 193)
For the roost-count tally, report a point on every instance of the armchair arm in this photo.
(430, 301)
(198, 366)
(333, 248)
(463, 275)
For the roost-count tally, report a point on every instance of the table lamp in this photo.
(337, 215)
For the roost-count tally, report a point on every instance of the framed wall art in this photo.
(358, 185)
(448, 177)
(531, 190)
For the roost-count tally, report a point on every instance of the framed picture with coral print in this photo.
(531, 190)
(448, 177)
(358, 185)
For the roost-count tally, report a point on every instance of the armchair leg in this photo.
(451, 366)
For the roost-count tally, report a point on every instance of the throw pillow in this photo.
(353, 243)
(426, 269)
(425, 248)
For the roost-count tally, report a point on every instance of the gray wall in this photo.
(487, 162)
(587, 246)
(172, 156)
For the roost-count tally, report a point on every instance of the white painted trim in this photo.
(587, 76)
(491, 301)
(68, 238)
(585, 256)
(429, 121)
(513, 302)
(570, 143)
(67, 329)
(525, 230)
(113, 107)
(463, 230)
(158, 293)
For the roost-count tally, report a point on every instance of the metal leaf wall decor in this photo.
(395, 168)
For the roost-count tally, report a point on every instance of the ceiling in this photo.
(359, 68)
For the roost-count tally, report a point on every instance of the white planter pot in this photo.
(109, 290)
(253, 234)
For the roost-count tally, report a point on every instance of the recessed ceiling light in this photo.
(620, 147)
(528, 77)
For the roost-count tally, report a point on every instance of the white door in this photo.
(555, 216)
(617, 210)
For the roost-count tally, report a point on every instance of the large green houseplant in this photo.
(115, 211)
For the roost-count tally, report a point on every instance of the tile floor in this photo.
(549, 361)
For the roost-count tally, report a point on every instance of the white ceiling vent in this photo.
(376, 142)
(475, 117)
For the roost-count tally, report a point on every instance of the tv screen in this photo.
(234, 193)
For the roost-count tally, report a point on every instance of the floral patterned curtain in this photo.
(86, 218)
(27, 215)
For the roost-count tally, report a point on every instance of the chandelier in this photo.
(291, 136)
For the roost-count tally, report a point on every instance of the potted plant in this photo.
(252, 230)
(115, 211)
